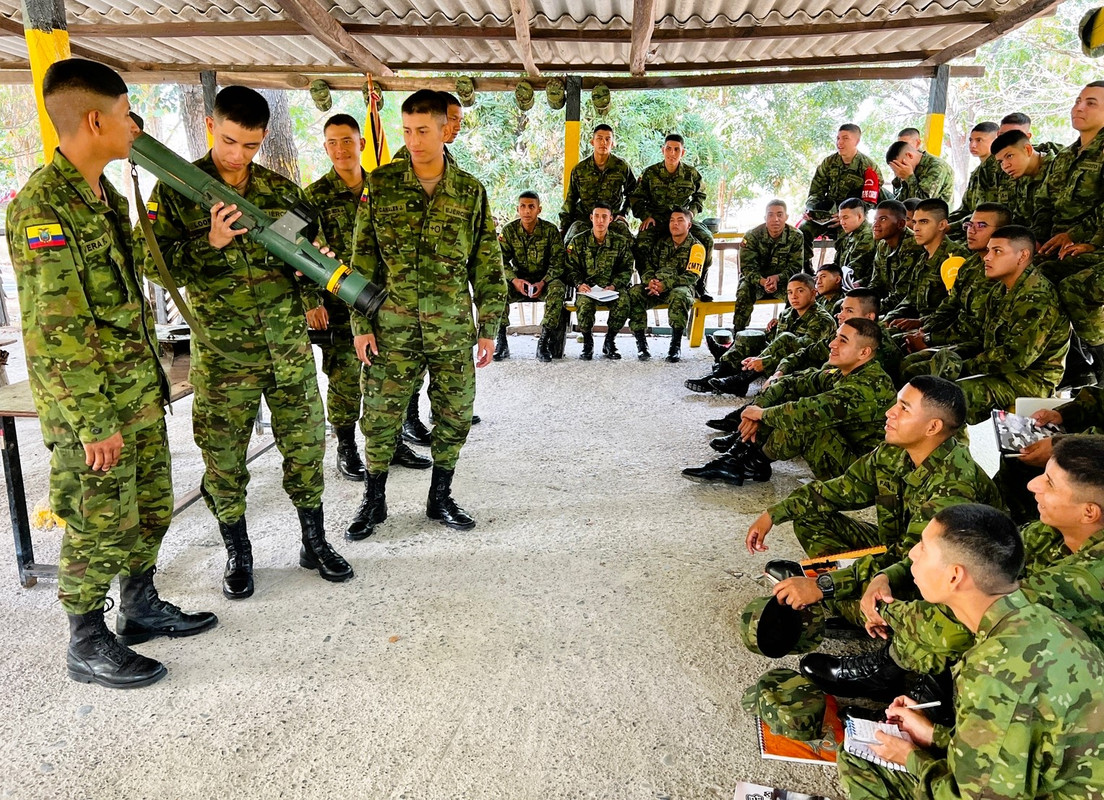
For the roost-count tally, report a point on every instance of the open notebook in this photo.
(864, 729)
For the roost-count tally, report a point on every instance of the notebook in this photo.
(753, 791)
(856, 728)
(823, 751)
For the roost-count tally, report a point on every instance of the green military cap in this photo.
(753, 338)
(320, 94)
(600, 98)
(790, 705)
(465, 90)
(1091, 32)
(523, 95)
(555, 94)
(366, 91)
(773, 629)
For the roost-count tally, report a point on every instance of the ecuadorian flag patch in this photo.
(48, 234)
(151, 211)
(364, 195)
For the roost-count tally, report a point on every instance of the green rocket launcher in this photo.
(282, 237)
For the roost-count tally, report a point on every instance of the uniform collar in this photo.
(446, 185)
(939, 455)
(339, 185)
(73, 175)
(1003, 607)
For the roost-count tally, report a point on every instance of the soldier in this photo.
(424, 232)
(921, 289)
(1018, 121)
(533, 257)
(919, 174)
(985, 181)
(1022, 339)
(336, 194)
(600, 259)
(829, 288)
(1025, 169)
(912, 137)
(603, 177)
(662, 187)
(841, 176)
(96, 381)
(1028, 696)
(855, 243)
(455, 122)
(771, 253)
(669, 277)
(895, 252)
(829, 417)
(254, 344)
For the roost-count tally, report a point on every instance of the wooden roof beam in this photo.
(643, 25)
(316, 20)
(522, 11)
(16, 29)
(1007, 21)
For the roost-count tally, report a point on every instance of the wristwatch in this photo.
(826, 585)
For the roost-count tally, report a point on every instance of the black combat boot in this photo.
(96, 656)
(441, 506)
(716, 349)
(143, 614)
(737, 384)
(756, 465)
(609, 346)
(316, 552)
(873, 674)
(702, 385)
(237, 580)
(406, 457)
(588, 346)
(543, 353)
(674, 352)
(502, 347)
(725, 469)
(642, 345)
(729, 423)
(372, 510)
(349, 465)
(413, 430)
(722, 444)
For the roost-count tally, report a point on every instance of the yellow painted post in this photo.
(210, 89)
(573, 89)
(47, 43)
(937, 108)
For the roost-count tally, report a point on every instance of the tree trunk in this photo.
(194, 114)
(279, 152)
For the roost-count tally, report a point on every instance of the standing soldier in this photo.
(600, 177)
(96, 380)
(600, 259)
(533, 257)
(254, 343)
(424, 232)
(336, 195)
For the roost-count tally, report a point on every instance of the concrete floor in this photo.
(582, 641)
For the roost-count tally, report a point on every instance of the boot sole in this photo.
(237, 595)
(420, 465)
(138, 638)
(331, 578)
(349, 477)
(698, 479)
(84, 677)
(456, 526)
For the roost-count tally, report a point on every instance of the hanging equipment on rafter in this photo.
(555, 94)
(600, 99)
(366, 91)
(465, 90)
(320, 94)
(523, 95)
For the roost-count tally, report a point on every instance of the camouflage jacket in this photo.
(959, 317)
(831, 302)
(856, 250)
(589, 184)
(815, 325)
(1085, 413)
(1070, 583)
(853, 405)
(337, 206)
(761, 256)
(921, 288)
(248, 301)
(668, 264)
(659, 190)
(1028, 709)
(834, 181)
(816, 355)
(905, 497)
(1071, 199)
(533, 257)
(606, 263)
(1019, 195)
(402, 154)
(87, 330)
(933, 177)
(432, 254)
(986, 185)
(892, 266)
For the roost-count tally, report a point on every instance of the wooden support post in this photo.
(47, 43)
(937, 108)
(573, 88)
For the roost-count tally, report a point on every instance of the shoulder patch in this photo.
(46, 234)
(151, 211)
(364, 195)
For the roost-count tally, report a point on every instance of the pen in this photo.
(918, 706)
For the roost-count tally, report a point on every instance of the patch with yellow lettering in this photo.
(46, 234)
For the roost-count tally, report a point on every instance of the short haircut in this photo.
(1017, 118)
(682, 210)
(852, 203)
(601, 126)
(896, 150)
(934, 206)
(896, 207)
(986, 542)
(342, 119)
(908, 132)
(1021, 238)
(776, 203)
(868, 330)
(450, 101)
(1080, 457)
(943, 399)
(427, 101)
(601, 204)
(1003, 212)
(73, 87)
(985, 127)
(804, 278)
(529, 194)
(674, 137)
(1012, 138)
(851, 127)
(869, 302)
(911, 204)
(242, 106)
(835, 269)
(1095, 85)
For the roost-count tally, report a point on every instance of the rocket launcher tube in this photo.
(283, 237)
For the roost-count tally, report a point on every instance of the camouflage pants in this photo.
(746, 343)
(582, 226)
(388, 385)
(225, 408)
(827, 451)
(748, 292)
(552, 297)
(342, 368)
(813, 623)
(114, 520)
(927, 639)
(679, 301)
(865, 780)
(1080, 284)
(646, 239)
(586, 307)
(834, 532)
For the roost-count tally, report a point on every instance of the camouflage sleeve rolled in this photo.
(366, 256)
(485, 272)
(63, 343)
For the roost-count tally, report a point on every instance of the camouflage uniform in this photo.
(959, 317)
(986, 185)
(337, 205)
(588, 184)
(1019, 195)
(606, 263)
(1028, 710)
(833, 182)
(816, 354)
(425, 251)
(656, 193)
(93, 369)
(402, 154)
(761, 257)
(792, 333)
(250, 306)
(825, 417)
(1020, 353)
(855, 250)
(932, 178)
(892, 266)
(669, 264)
(921, 288)
(535, 257)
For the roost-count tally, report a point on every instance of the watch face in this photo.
(824, 583)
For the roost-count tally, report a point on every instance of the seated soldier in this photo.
(919, 174)
(600, 177)
(602, 259)
(663, 186)
(921, 288)
(895, 251)
(1023, 338)
(828, 416)
(669, 276)
(855, 242)
(533, 260)
(1025, 169)
(1019, 121)
(911, 136)
(829, 288)
(985, 181)
(1029, 695)
(753, 353)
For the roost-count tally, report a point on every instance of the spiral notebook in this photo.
(855, 728)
